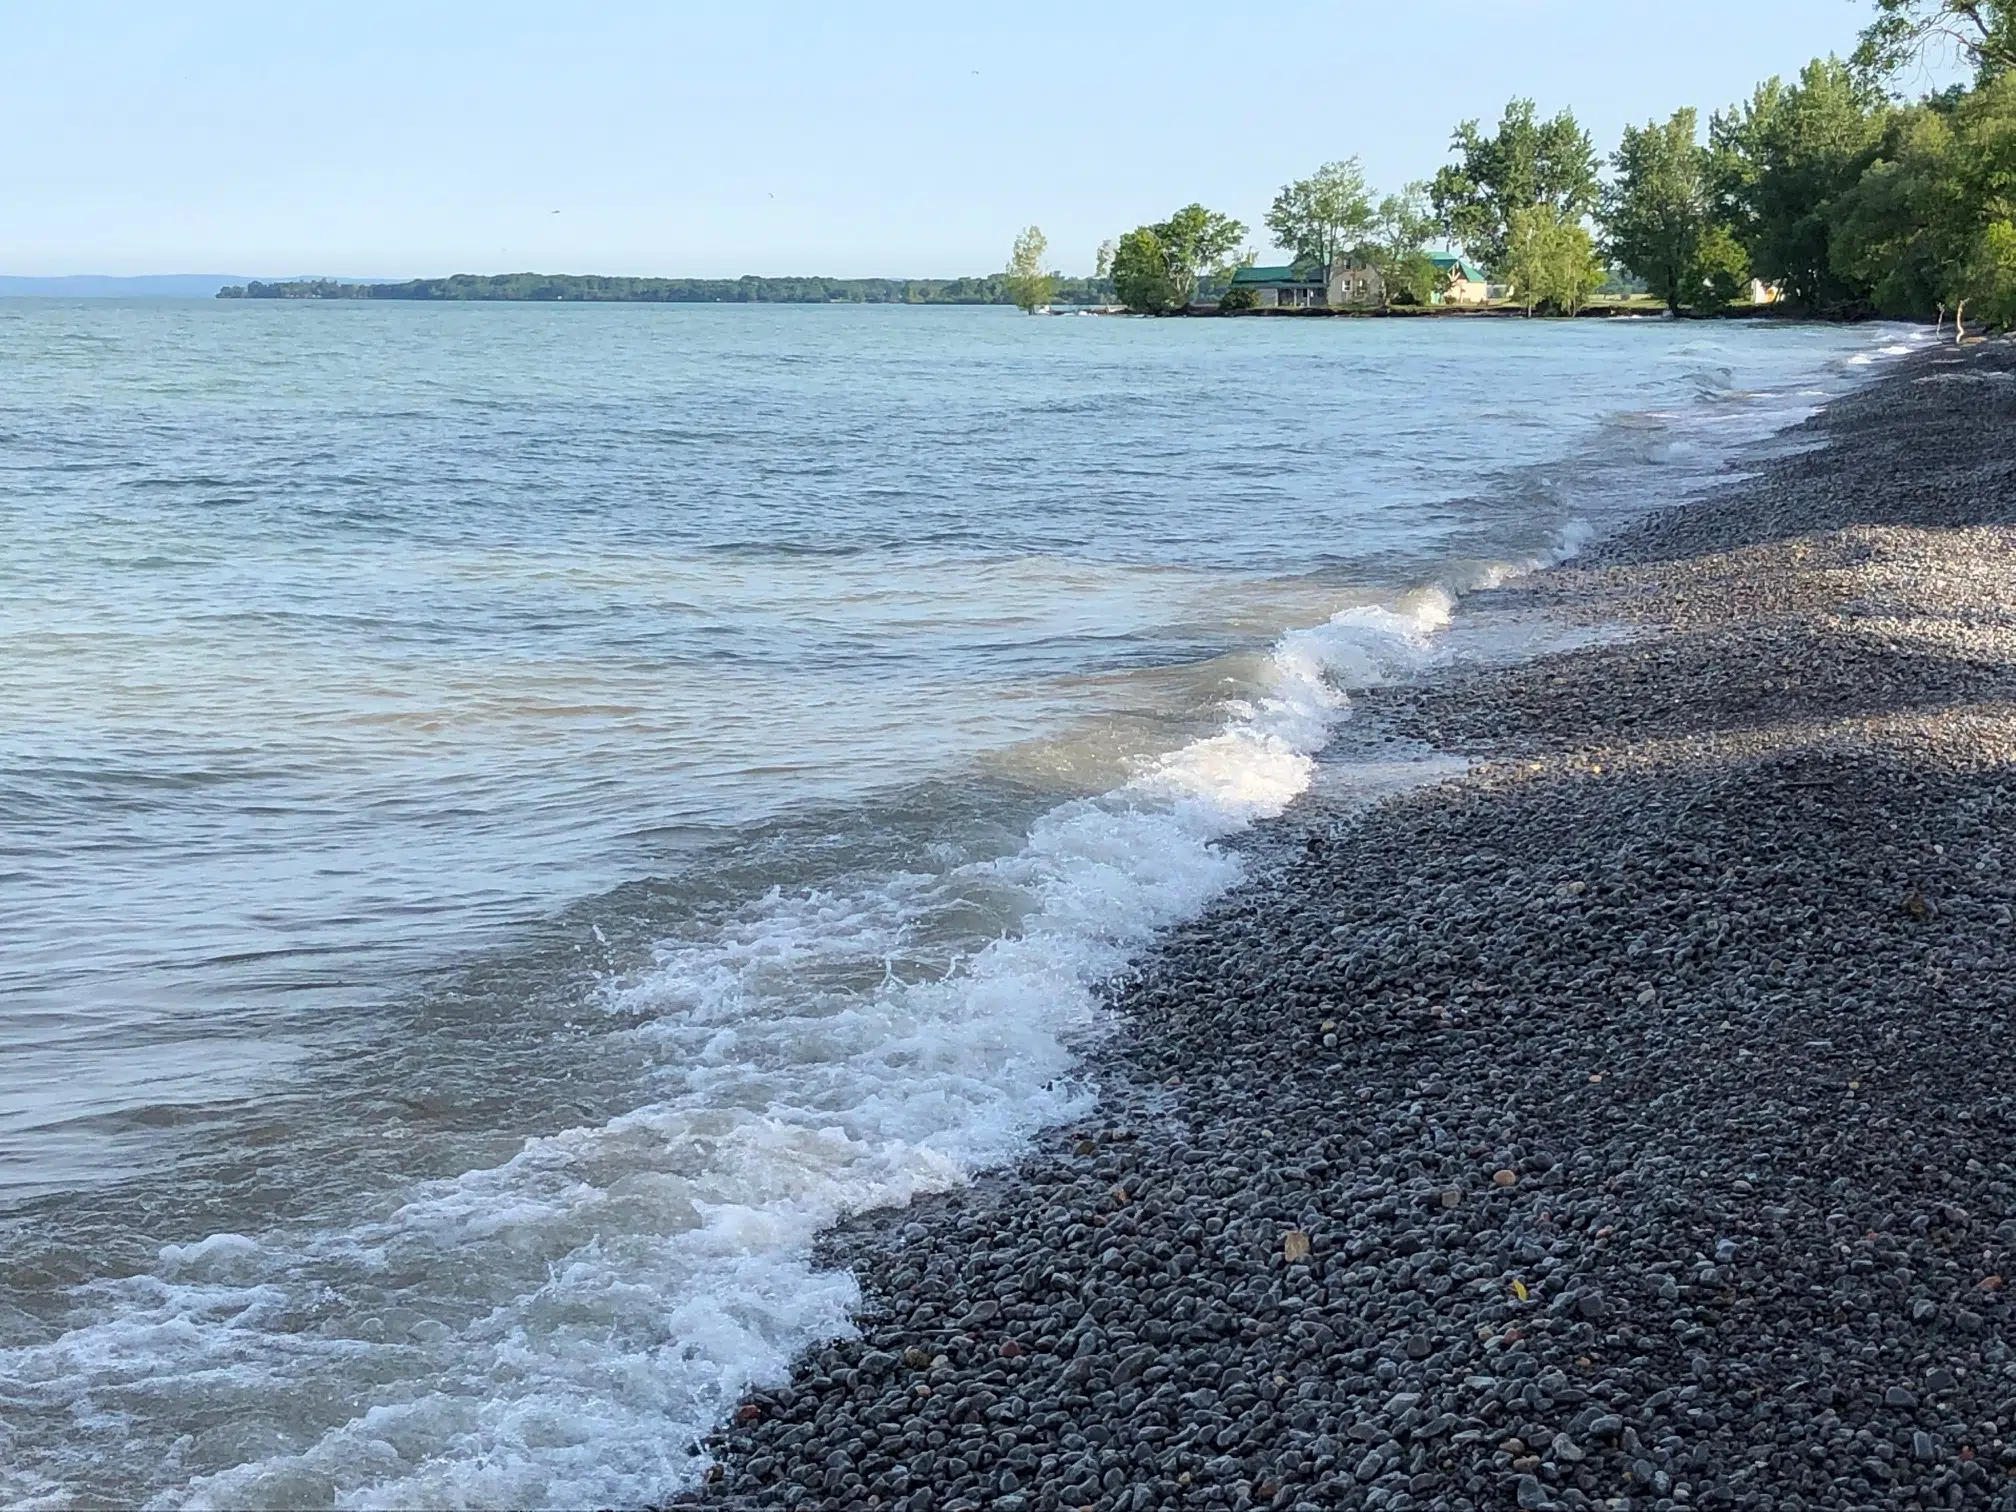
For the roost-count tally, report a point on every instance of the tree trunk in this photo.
(1939, 324)
(1959, 322)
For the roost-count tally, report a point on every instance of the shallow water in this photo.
(512, 817)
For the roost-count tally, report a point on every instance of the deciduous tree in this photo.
(1401, 228)
(1030, 285)
(1199, 244)
(1656, 209)
(1984, 31)
(1927, 224)
(1780, 165)
(1551, 261)
(1318, 217)
(1904, 226)
(1141, 273)
(1721, 270)
(1527, 162)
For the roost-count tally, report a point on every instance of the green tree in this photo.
(1721, 270)
(1157, 268)
(1656, 209)
(1904, 228)
(1029, 284)
(1926, 224)
(1319, 217)
(1551, 261)
(1984, 127)
(1401, 229)
(1986, 277)
(1141, 273)
(1983, 31)
(1780, 166)
(1199, 244)
(1528, 162)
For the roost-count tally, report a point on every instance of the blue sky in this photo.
(909, 140)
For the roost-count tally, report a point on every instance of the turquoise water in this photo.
(511, 817)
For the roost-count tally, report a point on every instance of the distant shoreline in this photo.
(1073, 296)
(585, 288)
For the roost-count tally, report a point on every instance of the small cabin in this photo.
(1349, 283)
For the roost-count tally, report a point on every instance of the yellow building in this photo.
(1463, 282)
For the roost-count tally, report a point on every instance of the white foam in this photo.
(565, 1327)
(562, 1329)
(1913, 340)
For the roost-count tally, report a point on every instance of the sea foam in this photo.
(566, 1327)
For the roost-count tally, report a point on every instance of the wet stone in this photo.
(1725, 1124)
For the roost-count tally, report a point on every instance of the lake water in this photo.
(512, 817)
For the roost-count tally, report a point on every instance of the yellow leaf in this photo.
(1519, 1290)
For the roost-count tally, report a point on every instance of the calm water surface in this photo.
(511, 817)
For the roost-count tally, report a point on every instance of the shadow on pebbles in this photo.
(1629, 1122)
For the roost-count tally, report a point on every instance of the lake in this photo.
(512, 817)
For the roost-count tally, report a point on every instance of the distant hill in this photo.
(592, 288)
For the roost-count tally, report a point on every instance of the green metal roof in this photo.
(1449, 262)
(1285, 277)
(1248, 277)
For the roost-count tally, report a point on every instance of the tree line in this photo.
(1845, 199)
(987, 289)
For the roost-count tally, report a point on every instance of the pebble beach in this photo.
(1626, 1122)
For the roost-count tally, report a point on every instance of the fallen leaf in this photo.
(1988, 1283)
(1519, 1290)
(1294, 1246)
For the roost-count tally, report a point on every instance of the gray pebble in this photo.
(1655, 948)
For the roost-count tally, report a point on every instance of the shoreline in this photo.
(1622, 1123)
